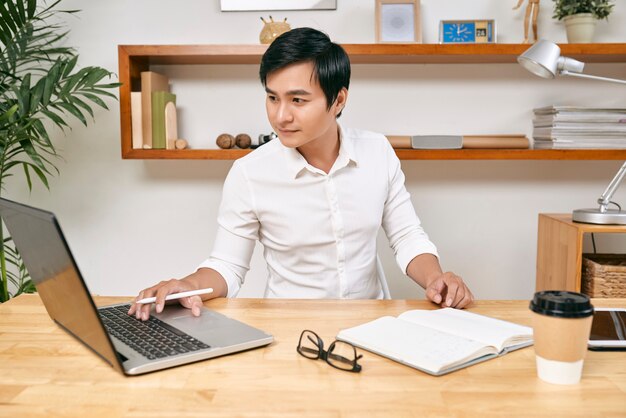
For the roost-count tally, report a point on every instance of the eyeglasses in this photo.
(340, 355)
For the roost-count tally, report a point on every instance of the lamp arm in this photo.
(605, 199)
(614, 80)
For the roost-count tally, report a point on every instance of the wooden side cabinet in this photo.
(560, 250)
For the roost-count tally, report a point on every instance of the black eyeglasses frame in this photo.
(326, 354)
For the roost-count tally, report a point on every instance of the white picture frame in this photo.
(262, 5)
(398, 21)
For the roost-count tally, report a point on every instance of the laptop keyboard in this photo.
(154, 339)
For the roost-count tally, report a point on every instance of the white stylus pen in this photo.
(177, 295)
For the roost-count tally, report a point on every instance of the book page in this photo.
(488, 331)
(413, 344)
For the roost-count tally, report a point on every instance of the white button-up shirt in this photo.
(318, 230)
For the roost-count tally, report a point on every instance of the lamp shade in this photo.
(541, 59)
(544, 59)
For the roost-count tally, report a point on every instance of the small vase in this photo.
(580, 28)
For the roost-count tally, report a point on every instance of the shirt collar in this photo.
(346, 150)
(296, 162)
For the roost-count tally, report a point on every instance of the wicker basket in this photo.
(604, 275)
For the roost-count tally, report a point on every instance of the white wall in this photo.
(133, 222)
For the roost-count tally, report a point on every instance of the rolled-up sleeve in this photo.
(237, 231)
(406, 236)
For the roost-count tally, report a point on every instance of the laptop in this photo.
(131, 346)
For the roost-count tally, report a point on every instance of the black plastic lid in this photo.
(561, 304)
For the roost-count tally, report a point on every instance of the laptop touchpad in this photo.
(187, 320)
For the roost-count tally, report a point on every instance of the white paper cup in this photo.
(561, 327)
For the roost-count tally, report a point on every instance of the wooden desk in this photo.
(45, 372)
(560, 250)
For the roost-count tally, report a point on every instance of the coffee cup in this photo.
(561, 327)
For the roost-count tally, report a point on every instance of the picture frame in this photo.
(262, 5)
(398, 21)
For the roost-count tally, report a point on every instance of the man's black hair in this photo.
(330, 61)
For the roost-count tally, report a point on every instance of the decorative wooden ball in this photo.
(180, 143)
(225, 141)
(243, 141)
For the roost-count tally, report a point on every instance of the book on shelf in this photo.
(582, 141)
(567, 144)
(547, 133)
(554, 119)
(135, 118)
(568, 127)
(160, 99)
(582, 126)
(603, 129)
(150, 81)
(439, 341)
(571, 111)
(564, 117)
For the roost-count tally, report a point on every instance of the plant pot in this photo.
(580, 28)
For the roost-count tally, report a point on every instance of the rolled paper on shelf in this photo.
(398, 141)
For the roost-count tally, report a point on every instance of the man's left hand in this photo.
(449, 290)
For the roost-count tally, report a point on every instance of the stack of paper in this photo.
(566, 127)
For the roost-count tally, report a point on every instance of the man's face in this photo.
(296, 106)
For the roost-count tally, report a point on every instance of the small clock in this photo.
(467, 31)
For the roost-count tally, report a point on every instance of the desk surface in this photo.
(45, 372)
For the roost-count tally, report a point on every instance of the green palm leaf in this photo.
(42, 87)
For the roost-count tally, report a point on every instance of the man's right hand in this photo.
(160, 291)
(200, 279)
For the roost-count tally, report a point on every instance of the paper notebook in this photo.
(439, 341)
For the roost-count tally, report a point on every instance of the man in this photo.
(315, 198)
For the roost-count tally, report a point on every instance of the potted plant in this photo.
(41, 86)
(580, 17)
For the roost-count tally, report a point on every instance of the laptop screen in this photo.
(40, 241)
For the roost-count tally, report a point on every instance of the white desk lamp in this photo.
(544, 59)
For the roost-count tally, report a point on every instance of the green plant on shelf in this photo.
(601, 9)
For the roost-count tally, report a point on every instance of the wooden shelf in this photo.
(403, 154)
(511, 154)
(367, 53)
(133, 59)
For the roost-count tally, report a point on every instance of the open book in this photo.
(439, 341)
